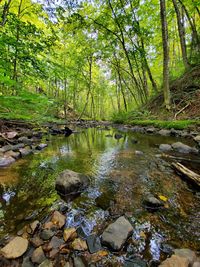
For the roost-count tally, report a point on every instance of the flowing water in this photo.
(120, 177)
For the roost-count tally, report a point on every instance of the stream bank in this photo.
(125, 170)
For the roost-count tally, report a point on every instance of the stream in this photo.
(121, 173)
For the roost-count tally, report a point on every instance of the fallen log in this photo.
(166, 156)
(188, 173)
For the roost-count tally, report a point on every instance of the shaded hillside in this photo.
(185, 96)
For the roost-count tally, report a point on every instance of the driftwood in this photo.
(166, 156)
(188, 173)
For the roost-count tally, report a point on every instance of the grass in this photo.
(29, 107)
(145, 119)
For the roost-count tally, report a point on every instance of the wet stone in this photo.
(116, 234)
(175, 260)
(186, 253)
(41, 146)
(152, 202)
(25, 151)
(38, 256)
(58, 219)
(196, 264)
(46, 263)
(69, 234)
(27, 262)
(182, 148)
(79, 244)
(164, 132)
(15, 155)
(46, 234)
(36, 241)
(33, 226)
(93, 243)
(56, 242)
(135, 263)
(78, 262)
(15, 248)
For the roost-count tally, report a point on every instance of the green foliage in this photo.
(28, 106)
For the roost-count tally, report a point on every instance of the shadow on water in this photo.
(122, 172)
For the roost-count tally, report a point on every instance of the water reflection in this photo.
(120, 179)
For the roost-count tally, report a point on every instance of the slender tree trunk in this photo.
(5, 12)
(165, 54)
(181, 32)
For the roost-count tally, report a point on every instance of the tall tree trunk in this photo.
(181, 32)
(165, 43)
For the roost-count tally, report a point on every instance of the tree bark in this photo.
(5, 12)
(165, 44)
(181, 32)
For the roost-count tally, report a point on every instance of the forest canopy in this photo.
(97, 57)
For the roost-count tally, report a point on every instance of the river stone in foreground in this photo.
(15, 248)
(70, 182)
(117, 233)
(182, 148)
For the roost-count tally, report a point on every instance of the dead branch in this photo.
(188, 173)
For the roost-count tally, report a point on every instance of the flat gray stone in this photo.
(182, 148)
(164, 132)
(117, 233)
(6, 161)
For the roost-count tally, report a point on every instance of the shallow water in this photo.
(120, 178)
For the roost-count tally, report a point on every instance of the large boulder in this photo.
(182, 148)
(175, 260)
(116, 234)
(186, 253)
(15, 248)
(70, 182)
(165, 147)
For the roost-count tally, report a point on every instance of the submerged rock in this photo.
(27, 262)
(116, 234)
(70, 182)
(46, 234)
(15, 248)
(135, 263)
(151, 202)
(118, 136)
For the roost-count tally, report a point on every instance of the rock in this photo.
(46, 263)
(93, 243)
(25, 140)
(151, 130)
(46, 234)
(27, 263)
(165, 147)
(25, 151)
(33, 226)
(67, 131)
(18, 146)
(117, 233)
(53, 253)
(175, 260)
(197, 138)
(152, 202)
(15, 248)
(11, 135)
(105, 200)
(186, 253)
(15, 155)
(38, 256)
(6, 161)
(6, 148)
(139, 153)
(49, 225)
(58, 219)
(118, 136)
(134, 141)
(135, 263)
(56, 242)
(78, 262)
(79, 244)
(164, 132)
(69, 234)
(196, 264)
(36, 241)
(41, 146)
(70, 182)
(175, 132)
(182, 148)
